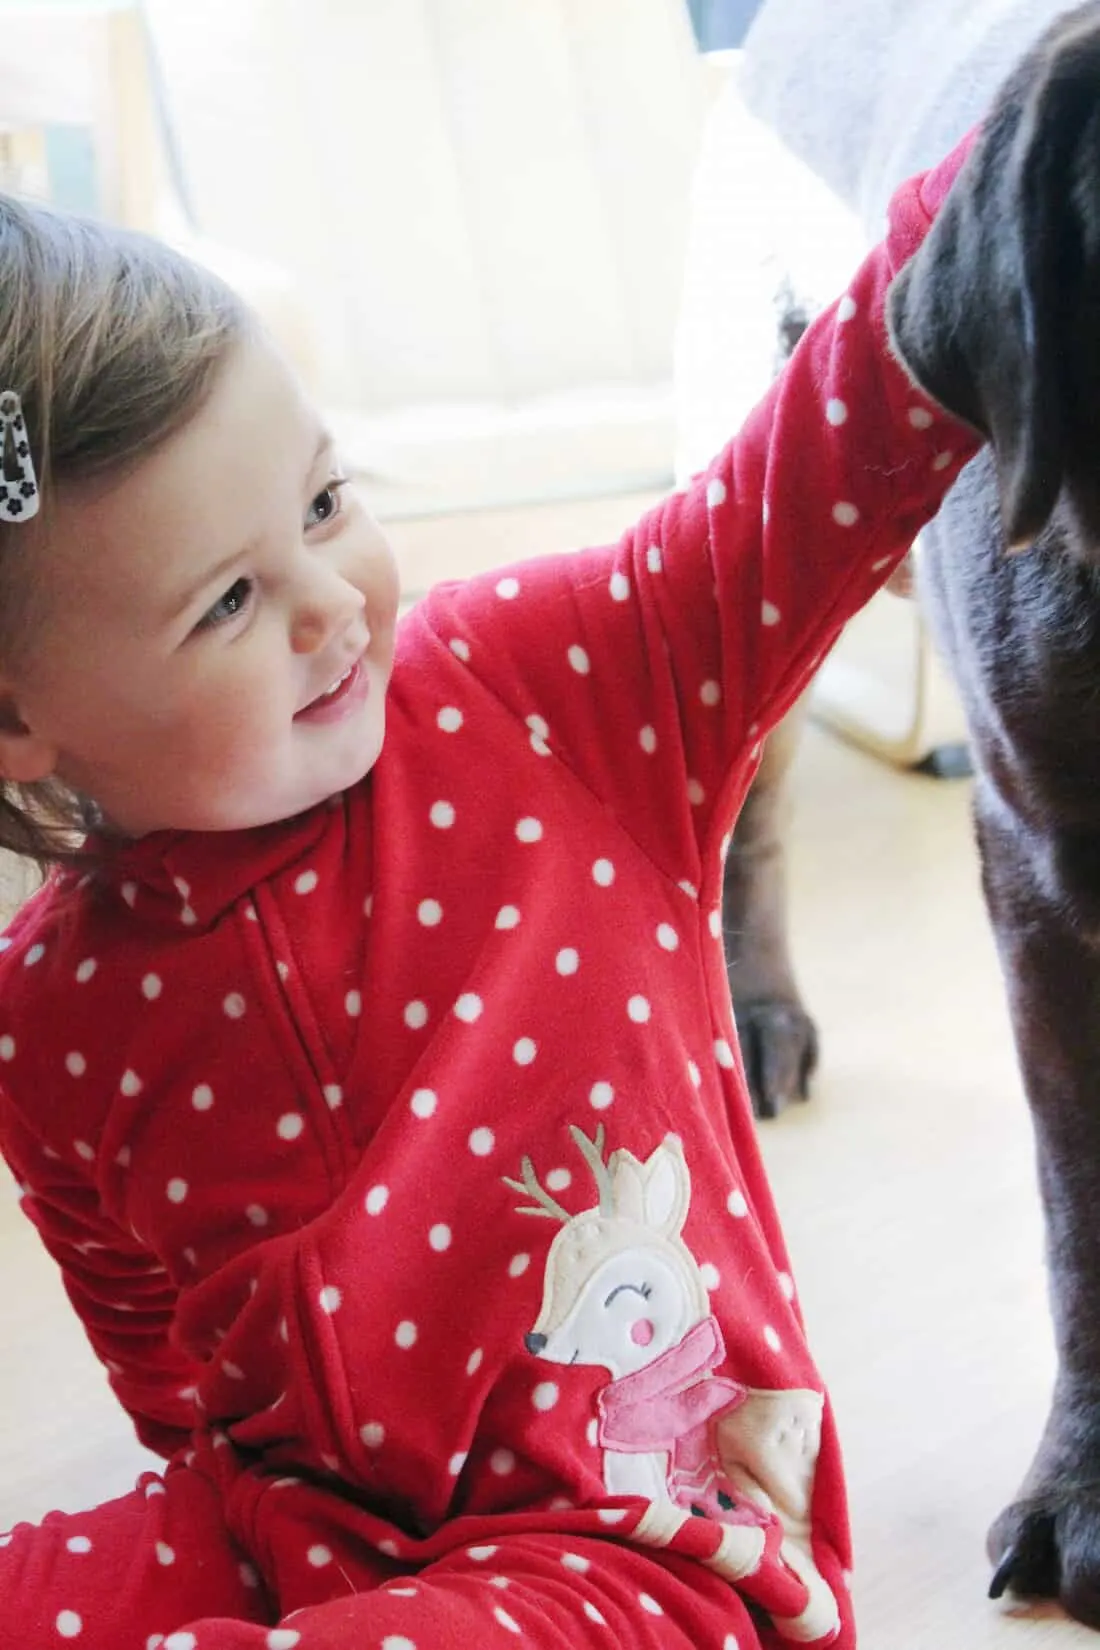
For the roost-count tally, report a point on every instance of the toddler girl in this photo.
(366, 1060)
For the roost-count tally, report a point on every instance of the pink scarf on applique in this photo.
(670, 1399)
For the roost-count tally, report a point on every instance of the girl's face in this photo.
(215, 631)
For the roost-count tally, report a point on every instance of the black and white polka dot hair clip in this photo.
(19, 497)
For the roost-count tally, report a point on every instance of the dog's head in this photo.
(998, 314)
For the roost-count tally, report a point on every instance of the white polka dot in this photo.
(334, 1095)
(650, 1604)
(539, 727)
(846, 308)
(611, 1515)
(769, 614)
(653, 559)
(449, 719)
(696, 795)
(373, 1434)
(177, 1190)
(75, 1064)
(460, 649)
(592, 1432)
(942, 460)
(155, 1641)
(376, 1199)
(579, 660)
(440, 1238)
(180, 1641)
(505, 1619)
(34, 955)
(416, 1015)
(573, 1561)
(711, 693)
(845, 514)
(730, 1643)
(603, 873)
(283, 1638)
(469, 1007)
(508, 589)
(502, 1462)
(600, 1096)
(723, 1053)
(7, 1048)
(482, 1554)
(234, 1005)
(306, 883)
(257, 1215)
(710, 1276)
(202, 1097)
(593, 1614)
(353, 1005)
(429, 913)
(529, 830)
(695, 1074)
(667, 937)
(85, 1151)
(567, 960)
(405, 1335)
(920, 418)
(647, 738)
(319, 1556)
(423, 1103)
(290, 1126)
(330, 1299)
(772, 1338)
(786, 1284)
(70, 1625)
(737, 1206)
(165, 1554)
(79, 1544)
(619, 587)
(507, 917)
(518, 1265)
(130, 1084)
(482, 1142)
(442, 815)
(716, 491)
(639, 1010)
(86, 970)
(836, 411)
(152, 986)
(558, 1179)
(457, 1462)
(398, 1641)
(524, 1051)
(545, 1395)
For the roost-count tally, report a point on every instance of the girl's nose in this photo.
(329, 606)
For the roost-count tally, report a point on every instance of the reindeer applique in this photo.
(624, 1292)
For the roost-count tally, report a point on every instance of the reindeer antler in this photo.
(546, 1205)
(592, 1152)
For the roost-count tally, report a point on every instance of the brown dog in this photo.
(998, 317)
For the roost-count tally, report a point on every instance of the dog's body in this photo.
(1017, 353)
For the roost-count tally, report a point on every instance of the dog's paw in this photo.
(1048, 1546)
(779, 1048)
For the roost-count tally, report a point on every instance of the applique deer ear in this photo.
(667, 1187)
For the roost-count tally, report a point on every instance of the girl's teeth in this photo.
(330, 691)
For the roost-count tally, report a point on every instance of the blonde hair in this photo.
(112, 341)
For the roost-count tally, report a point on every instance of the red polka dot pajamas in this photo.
(397, 1157)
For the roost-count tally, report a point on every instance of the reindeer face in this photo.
(636, 1304)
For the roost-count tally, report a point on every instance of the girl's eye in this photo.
(327, 503)
(229, 605)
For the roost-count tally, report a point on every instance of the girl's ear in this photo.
(25, 757)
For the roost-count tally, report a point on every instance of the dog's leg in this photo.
(778, 1038)
(1048, 1542)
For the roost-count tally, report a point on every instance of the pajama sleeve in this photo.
(122, 1295)
(654, 668)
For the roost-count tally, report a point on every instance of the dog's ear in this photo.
(983, 315)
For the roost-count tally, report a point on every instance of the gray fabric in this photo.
(867, 92)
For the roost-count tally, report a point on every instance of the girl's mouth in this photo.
(349, 689)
